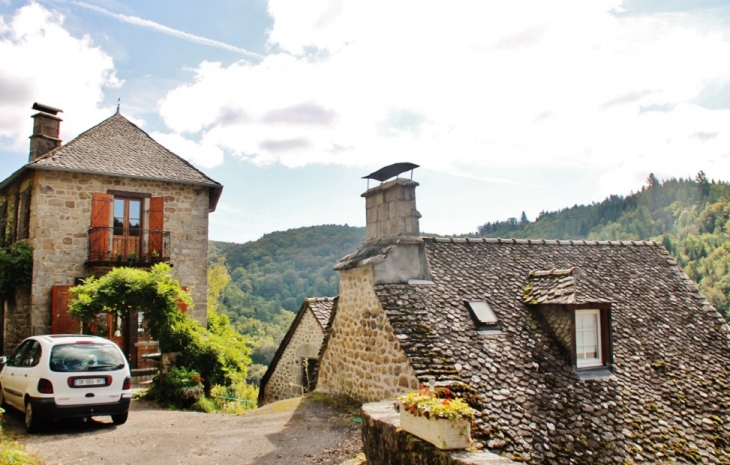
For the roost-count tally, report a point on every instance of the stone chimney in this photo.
(391, 210)
(46, 131)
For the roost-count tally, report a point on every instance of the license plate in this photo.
(90, 382)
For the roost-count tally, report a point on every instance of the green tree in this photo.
(217, 353)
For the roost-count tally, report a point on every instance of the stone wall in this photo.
(384, 443)
(286, 380)
(559, 320)
(61, 217)
(363, 359)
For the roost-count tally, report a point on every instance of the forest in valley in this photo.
(268, 279)
(261, 284)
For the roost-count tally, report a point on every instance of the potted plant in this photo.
(436, 416)
(154, 256)
(118, 255)
(132, 257)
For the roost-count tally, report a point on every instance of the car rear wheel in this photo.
(31, 422)
(2, 398)
(120, 419)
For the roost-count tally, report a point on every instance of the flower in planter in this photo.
(436, 403)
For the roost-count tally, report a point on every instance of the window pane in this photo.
(134, 209)
(119, 208)
(587, 339)
(118, 226)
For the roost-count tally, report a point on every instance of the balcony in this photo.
(134, 247)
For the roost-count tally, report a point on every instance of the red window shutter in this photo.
(99, 235)
(61, 321)
(157, 224)
(183, 306)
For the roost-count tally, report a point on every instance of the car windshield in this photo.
(86, 357)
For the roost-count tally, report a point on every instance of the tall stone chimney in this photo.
(46, 131)
(391, 210)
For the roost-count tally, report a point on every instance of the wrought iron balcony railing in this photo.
(128, 246)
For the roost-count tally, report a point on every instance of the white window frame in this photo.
(591, 362)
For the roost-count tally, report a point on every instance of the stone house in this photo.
(570, 351)
(292, 370)
(110, 197)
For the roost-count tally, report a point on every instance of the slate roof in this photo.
(669, 397)
(563, 287)
(322, 308)
(118, 147)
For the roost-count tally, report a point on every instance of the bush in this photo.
(180, 387)
(235, 399)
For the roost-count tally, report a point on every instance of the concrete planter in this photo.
(441, 432)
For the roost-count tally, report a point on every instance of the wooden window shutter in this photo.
(606, 337)
(181, 305)
(61, 321)
(99, 234)
(157, 224)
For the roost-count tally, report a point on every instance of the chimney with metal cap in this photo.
(391, 206)
(46, 131)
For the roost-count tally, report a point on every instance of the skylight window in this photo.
(483, 315)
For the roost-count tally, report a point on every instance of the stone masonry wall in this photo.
(363, 358)
(285, 382)
(559, 321)
(16, 312)
(390, 209)
(61, 217)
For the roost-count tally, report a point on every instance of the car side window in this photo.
(16, 359)
(33, 355)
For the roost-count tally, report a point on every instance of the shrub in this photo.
(236, 398)
(180, 388)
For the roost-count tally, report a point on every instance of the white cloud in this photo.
(42, 62)
(471, 86)
(203, 154)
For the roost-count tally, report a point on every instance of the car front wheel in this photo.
(2, 398)
(120, 419)
(31, 422)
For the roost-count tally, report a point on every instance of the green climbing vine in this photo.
(16, 268)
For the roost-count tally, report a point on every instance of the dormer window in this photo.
(588, 338)
(577, 311)
(483, 316)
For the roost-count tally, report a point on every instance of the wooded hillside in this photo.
(271, 276)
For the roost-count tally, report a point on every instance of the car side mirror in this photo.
(3, 360)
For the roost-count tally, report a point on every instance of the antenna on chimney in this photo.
(389, 171)
(118, 100)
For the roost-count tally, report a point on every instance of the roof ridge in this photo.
(319, 299)
(498, 240)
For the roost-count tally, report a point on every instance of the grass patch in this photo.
(13, 453)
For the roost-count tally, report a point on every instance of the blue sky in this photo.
(508, 106)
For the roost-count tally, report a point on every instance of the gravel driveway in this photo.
(294, 431)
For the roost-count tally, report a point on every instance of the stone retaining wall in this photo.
(385, 443)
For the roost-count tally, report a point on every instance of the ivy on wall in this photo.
(16, 268)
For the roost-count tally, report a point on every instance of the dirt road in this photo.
(295, 431)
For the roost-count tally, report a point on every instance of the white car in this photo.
(66, 376)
